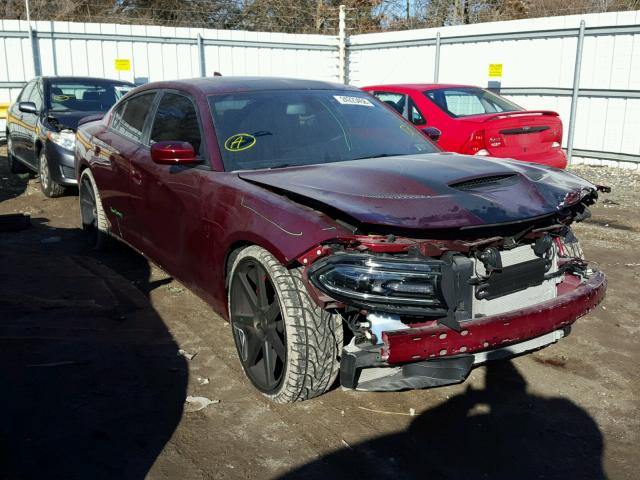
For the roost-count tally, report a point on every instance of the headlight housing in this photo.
(408, 286)
(65, 139)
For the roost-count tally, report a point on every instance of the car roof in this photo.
(88, 79)
(219, 84)
(421, 86)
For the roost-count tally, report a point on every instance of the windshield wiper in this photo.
(380, 155)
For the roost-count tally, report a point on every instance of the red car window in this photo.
(463, 101)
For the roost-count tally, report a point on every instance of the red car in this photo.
(475, 121)
(334, 236)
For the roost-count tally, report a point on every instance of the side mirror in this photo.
(433, 133)
(173, 153)
(27, 107)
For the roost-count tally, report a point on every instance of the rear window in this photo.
(464, 102)
(85, 96)
(301, 127)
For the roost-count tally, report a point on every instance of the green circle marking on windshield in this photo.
(239, 142)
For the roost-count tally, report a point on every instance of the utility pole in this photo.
(34, 53)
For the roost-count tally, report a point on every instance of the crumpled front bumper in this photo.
(435, 355)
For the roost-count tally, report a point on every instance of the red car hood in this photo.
(433, 191)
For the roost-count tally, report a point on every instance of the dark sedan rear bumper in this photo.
(435, 355)
(61, 164)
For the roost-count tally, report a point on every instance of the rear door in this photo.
(113, 153)
(166, 198)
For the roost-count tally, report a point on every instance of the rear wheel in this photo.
(49, 187)
(94, 220)
(14, 165)
(289, 347)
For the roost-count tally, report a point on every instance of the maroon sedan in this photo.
(334, 236)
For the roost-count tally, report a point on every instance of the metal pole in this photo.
(34, 52)
(341, 44)
(576, 91)
(203, 65)
(436, 67)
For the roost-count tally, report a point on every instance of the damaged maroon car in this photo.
(336, 239)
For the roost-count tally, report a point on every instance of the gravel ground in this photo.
(100, 351)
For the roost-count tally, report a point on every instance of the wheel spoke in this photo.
(243, 319)
(269, 364)
(254, 346)
(261, 283)
(273, 311)
(250, 294)
(274, 340)
(87, 203)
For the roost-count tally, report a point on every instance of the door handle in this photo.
(136, 177)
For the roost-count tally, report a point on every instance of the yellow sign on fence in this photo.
(123, 64)
(495, 70)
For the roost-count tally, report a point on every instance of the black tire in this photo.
(48, 186)
(92, 216)
(312, 338)
(15, 166)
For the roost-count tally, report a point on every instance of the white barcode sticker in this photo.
(345, 100)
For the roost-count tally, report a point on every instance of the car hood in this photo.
(69, 120)
(432, 191)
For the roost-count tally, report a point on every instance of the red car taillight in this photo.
(476, 143)
(479, 142)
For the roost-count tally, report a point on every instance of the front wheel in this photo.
(49, 187)
(289, 347)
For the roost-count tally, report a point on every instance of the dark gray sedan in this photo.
(41, 125)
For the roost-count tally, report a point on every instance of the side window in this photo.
(36, 96)
(26, 92)
(129, 118)
(177, 119)
(415, 116)
(394, 100)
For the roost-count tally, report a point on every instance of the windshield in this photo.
(463, 102)
(274, 129)
(85, 96)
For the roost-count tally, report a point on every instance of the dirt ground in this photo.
(93, 385)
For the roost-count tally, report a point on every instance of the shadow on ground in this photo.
(499, 432)
(92, 385)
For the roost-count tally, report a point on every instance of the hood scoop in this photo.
(481, 183)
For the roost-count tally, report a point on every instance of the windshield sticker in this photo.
(344, 100)
(239, 142)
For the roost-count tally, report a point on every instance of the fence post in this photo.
(342, 38)
(203, 64)
(35, 51)
(576, 91)
(436, 67)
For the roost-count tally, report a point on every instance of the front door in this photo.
(30, 121)
(166, 198)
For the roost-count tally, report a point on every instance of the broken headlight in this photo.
(411, 286)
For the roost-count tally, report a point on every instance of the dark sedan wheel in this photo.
(94, 220)
(49, 187)
(288, 346)
(14, 165)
